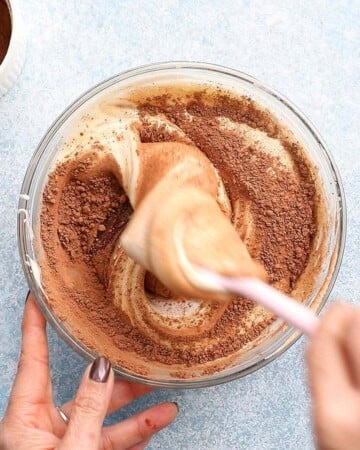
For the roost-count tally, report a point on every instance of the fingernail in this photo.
(100, 370)
(27, 296)
(177, 406)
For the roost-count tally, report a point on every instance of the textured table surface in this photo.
(308, 50)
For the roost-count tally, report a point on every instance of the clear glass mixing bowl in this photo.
(45, 155)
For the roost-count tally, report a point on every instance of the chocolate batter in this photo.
(271, 188)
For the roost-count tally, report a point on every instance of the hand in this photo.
(32, 422)
(334, 372)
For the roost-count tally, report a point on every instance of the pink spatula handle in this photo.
(294, 313)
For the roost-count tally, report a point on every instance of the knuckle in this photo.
(107, 443)
(27, 360)
(89, 404)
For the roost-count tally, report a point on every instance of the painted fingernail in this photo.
(27, 296)
(177, 406)
(100, 370)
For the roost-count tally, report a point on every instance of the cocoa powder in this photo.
(86, 216)
(280, 202)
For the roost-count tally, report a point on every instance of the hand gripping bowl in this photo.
(332, 236)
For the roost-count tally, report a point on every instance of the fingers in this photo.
(89, 408)
(328, 368)
(352, 345)
(124, 392)
(32, 382)
(326, 356)
(137, 430)
(333, 360)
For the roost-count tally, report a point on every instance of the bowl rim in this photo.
(293, 335)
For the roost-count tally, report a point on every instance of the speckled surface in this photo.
(307, 50)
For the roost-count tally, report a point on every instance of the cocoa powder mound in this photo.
(84, 217)
(90, 213)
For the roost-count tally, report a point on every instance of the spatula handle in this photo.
(294, 313)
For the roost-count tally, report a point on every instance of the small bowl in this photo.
(12, 64)
(45, 155)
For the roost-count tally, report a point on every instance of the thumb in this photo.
(89, 407)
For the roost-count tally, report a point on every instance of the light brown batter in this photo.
(263, 184)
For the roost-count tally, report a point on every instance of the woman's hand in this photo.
(334, 372)
(32, 421)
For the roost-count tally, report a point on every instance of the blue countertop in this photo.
(308, 50)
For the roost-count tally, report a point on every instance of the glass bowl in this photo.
(332, 236)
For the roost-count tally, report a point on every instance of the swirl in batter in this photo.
(224, 152)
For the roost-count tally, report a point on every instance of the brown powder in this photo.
(91, 213)
(281, 202)
(87, 215)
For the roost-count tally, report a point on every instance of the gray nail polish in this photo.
(100, 370)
